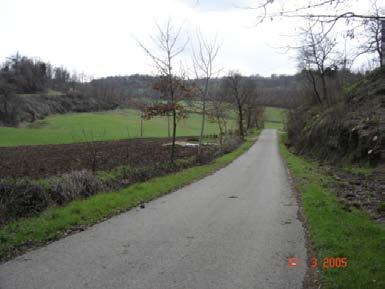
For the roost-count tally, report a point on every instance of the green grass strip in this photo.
(337, 232)
(55, 221)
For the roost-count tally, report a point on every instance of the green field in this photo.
(108, 125)
(113, 125)
(275, 117)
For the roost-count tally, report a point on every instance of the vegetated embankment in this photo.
(348, 134)
(29, 108)
(352, 130)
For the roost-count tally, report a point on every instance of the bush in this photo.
(76, 184)
(205, 157)
(230, 143)
(21, 198)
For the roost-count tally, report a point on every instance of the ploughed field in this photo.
(48, 160)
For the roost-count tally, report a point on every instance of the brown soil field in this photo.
(363, 192)
(48, 160)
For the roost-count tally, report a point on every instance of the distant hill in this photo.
(31, 89)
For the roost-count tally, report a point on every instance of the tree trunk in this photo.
(382, 59)
(324, 89)
(314, 84)
(168, 126)
(220, 131)
(225, 125)
(202, 125)
(173, 134)
(203, 115)
(241, 132)
(248, 118)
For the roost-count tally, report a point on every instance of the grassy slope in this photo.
(336, 232)
(110, 125)
(274, 117)
(55, 221)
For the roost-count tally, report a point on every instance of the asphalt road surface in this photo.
(234, 229)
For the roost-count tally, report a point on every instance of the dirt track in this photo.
(48, 160)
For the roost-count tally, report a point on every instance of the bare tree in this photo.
(372, 34)
(170, 85)
(253, 112)
(203, 64)
(218, 112)
(311, 10)
(240, 89)
(316, 59)
(318, 12)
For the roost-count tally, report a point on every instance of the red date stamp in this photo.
(324, 263)
(329, 262)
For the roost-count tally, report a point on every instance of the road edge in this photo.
(312, 278)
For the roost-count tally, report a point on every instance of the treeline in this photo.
(30, 89)
(286, 91)
(24, 75)
(339, 117)
(124, 91)
(291, 91)
(21, 77)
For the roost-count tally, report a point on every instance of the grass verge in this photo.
(53, 223)
(338, 232)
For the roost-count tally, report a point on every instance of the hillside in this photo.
(351, 131)
(348, 138)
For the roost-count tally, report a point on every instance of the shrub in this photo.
(21, 198)
(74, 185)
(230, 143)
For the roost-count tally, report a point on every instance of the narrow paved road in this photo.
(234, 229)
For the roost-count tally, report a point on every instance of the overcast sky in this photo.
(97, 37)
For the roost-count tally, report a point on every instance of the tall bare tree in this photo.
(218, 112)
(168, 41)
(372, 34)
(240, 89)
(319, 12)
(203, 64)
(316, 58)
